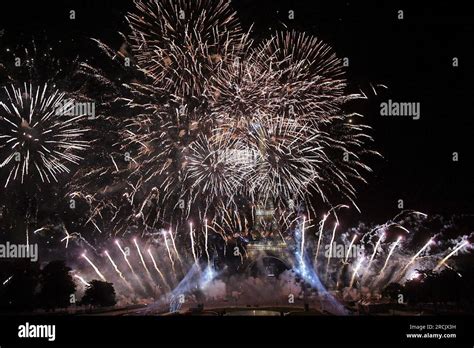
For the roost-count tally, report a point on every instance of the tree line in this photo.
(25, 287)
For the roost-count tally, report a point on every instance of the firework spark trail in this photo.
(330, 247)
(168, 249)
(94, 267)
(7, 280)
(115, 164)
(302, 240)
(390, 254)
(116, 268)
(124, 254)
(95, 225)
(191, 235)
(372, 257)
(402, 272)
(359, 264)
(443, 261)
(39, 230)
(82, 280)
(415, 212)
(141, 258)
(174, 247)
(125, 257)
(158, 270)
(68, 236)
(350, 248)
(205, 242)
(321, 227)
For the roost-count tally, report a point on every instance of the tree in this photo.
(392, 291)
(451, 286)
(57, 285)
(99, 293)
(415, 291)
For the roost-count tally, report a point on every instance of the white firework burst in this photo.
(179, 43)
(35, 140)
(311, 79)
(279, 107)
(217, 168)
(287, 161)
(244, 89)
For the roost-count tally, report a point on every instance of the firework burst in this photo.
(216, 168)
(286, 161)
(180, 43)
(34, 139)
(215, 127)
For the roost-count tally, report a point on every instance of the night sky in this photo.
(412, 57)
